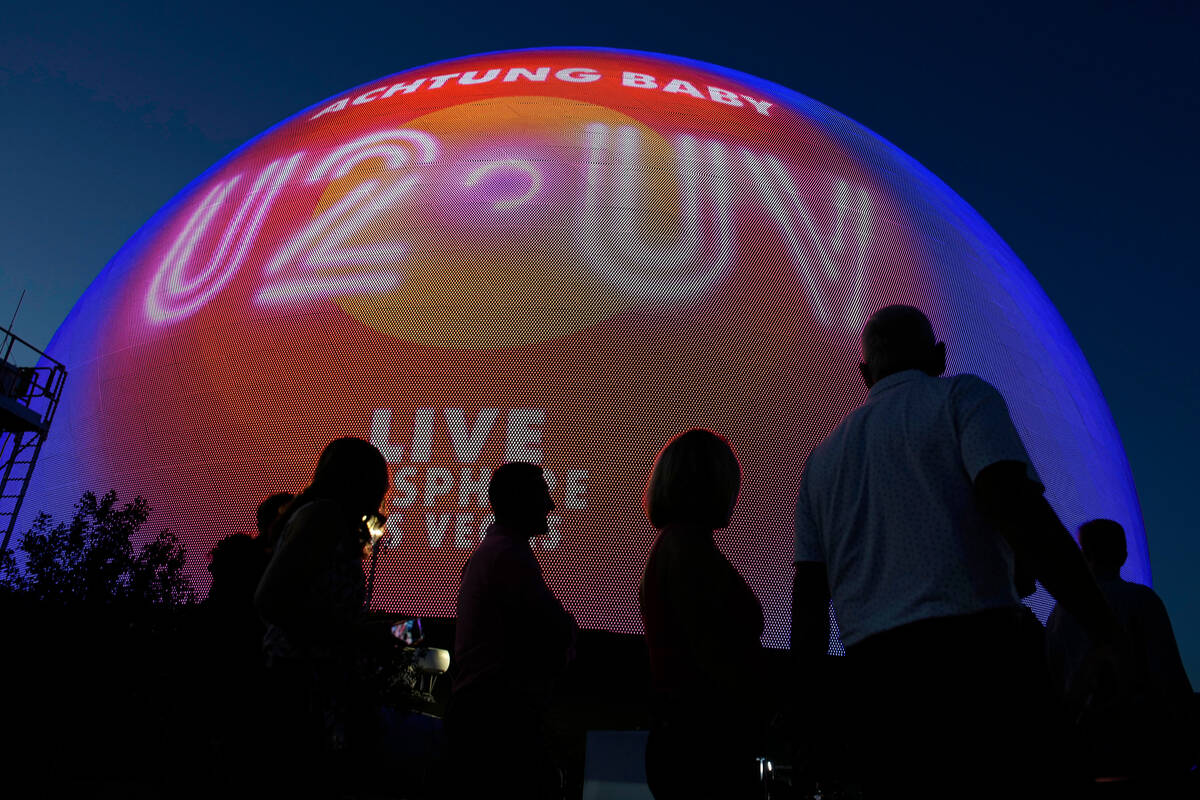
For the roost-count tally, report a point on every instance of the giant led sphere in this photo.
(564, 256)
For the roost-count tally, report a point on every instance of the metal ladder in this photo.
(29, 397)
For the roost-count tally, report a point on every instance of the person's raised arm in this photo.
(1016, 505)
(1009, 493)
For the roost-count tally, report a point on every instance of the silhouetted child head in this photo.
(695, 481)
(897, 338)
(269, 510)
(236, 565)
(520, 498)
(1103, 545)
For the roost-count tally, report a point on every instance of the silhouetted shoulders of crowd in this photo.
(1134, 712)
(1151, 666)
(920, 525)
(238, 561)
(1143, 618)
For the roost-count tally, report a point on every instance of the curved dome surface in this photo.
(560, 255)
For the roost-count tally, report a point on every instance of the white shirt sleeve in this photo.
(986, 433)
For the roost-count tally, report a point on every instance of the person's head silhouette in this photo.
(353, 472)
(897, 338)
(269, 510)
(1103, 545)
(520, 498)
(695, 481)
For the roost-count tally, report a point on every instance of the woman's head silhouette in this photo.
(695, 481)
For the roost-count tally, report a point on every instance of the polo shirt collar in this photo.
(895, 379)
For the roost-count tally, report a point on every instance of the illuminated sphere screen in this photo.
(565, 256)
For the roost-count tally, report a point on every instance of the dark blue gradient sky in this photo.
(1071, 127)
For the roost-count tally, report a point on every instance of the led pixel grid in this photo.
(564, 256)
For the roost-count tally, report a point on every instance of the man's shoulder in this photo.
(953, 388)
(841, 430)
(320, 507)
(966, 385)
(964, 393)
(829, 452)
(922, 388)
(825, 451)
(492, 545)
(1132, 593)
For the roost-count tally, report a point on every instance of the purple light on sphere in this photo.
(566, 254)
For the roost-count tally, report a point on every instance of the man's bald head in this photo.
(897, 338)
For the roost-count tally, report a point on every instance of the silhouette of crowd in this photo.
(920, 524)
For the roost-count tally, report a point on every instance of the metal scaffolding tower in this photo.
(29, 397)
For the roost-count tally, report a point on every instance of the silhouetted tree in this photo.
(92, 558)
(157, 575)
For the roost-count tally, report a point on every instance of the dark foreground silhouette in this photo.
(1137, 720)
(920, 517)
(909, 516)
(311, 597)
(690, 591)
(513, 640)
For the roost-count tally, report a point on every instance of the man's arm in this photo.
(1162, 651)
(810, 610)
(1037, 536)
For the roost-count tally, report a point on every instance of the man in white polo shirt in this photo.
(909, 514)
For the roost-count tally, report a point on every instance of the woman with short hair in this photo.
(703, 625)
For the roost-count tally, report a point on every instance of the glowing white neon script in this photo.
(335, 254)
(622, 235)
(388, 145)
(831, 263)
(173, 295)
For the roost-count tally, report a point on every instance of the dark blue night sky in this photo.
(1070, 127)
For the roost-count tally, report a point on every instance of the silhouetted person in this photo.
(232, 657)
(268, 513)
(311, 598)
(512, 639)
(1139, 725)
(703, 625)
(238, 562)
(910, 513)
